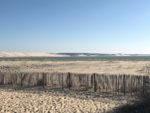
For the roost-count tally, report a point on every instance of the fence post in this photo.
(124, 84)
(62, 81)
(44, 80)
(21, 79)
(144, 85)
(116, 88)
(95, 83)
(118, 83)
(69, 84)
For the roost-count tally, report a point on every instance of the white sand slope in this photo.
(28, 54)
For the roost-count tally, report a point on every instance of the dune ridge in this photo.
(28, 54)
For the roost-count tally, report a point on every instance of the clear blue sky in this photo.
(104, 26)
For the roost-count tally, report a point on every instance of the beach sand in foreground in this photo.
(36, 101)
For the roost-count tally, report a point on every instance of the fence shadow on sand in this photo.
(142, 105)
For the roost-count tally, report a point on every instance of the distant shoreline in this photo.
(77, 58)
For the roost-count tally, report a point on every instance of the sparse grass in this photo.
(115, 67)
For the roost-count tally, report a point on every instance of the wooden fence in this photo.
(103, 83)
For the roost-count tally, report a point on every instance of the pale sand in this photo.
(28, 54)
(24, 101)
(110, 67)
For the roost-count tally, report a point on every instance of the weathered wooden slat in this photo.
(115, 84)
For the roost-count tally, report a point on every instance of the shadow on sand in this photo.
(141, 105)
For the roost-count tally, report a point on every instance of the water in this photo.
(100, 58)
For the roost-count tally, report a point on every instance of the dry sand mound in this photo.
(28, 54)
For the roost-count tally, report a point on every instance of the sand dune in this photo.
(28, 54)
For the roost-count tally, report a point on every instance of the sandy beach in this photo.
(110, 67)
(37, 101)
(74, 56)
(58, 101)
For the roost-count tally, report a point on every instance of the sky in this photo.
(94, 26)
